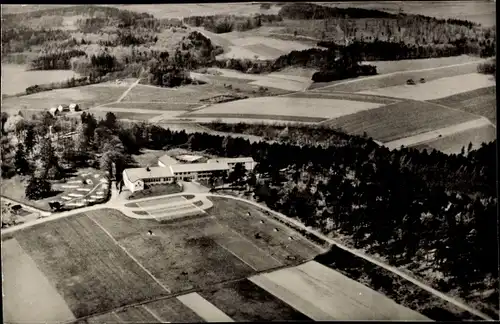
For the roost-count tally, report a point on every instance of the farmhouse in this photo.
(248, 162)
(63, 108)
(74, 107)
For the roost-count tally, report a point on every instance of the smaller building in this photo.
(248, 162)
(166, 160)
(135, 179)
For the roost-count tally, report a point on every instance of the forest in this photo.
(408, 206)
(220, 24)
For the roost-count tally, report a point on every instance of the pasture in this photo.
(384, 67)
(85, 96)
(313, 288)
(453, 144)
(243, 301)
(399, 120)
(15, 78)
(264, 48)
(480, 102)
(151, 106)
(283, 108)
(439, 88)
(318, 94)
(397, 79)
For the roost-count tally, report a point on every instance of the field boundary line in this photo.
(370, 259)
(129, 254)
(117, 316)
(158, 318)
(448, 107)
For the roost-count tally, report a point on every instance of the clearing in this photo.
(283, 108)
(313, 289)
(155, 106)
(400, 120)
(25, 287)
(439, 88)
(481, 102)
(15, 78)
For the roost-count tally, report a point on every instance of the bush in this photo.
(487, 67)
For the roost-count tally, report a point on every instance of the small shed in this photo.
(74, 107)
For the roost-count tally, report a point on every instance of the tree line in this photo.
(227, 23)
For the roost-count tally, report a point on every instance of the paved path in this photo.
(116, 203)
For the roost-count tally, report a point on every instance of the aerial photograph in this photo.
(249, 161)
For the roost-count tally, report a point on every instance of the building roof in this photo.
(188, 157)
(197, 167)
(142, 173)
(167, 160)
(231, 160)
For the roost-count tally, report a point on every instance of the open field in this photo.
(439, 88)
(258, 118)
(318, 94)
(136, 315)
(25, 288)
(481, 102)
(234, 214)
(399, 120)
(265, 48)
(87, 267)
(313, 288)
(384, 67)
(243, 301)
(204, 308)
(381, 81)
(453, 144)
(16, 79)
(174, 311)
(289, 108)
(152, 106)
(98, 113)
(85, 96)
(276, 83)
(193, 261)
(451, 130)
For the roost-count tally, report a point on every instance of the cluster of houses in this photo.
(64, 108)
(170, 170)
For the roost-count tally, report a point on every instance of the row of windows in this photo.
(157, 180)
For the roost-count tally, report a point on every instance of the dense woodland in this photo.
(408, 206)
(227, 23)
